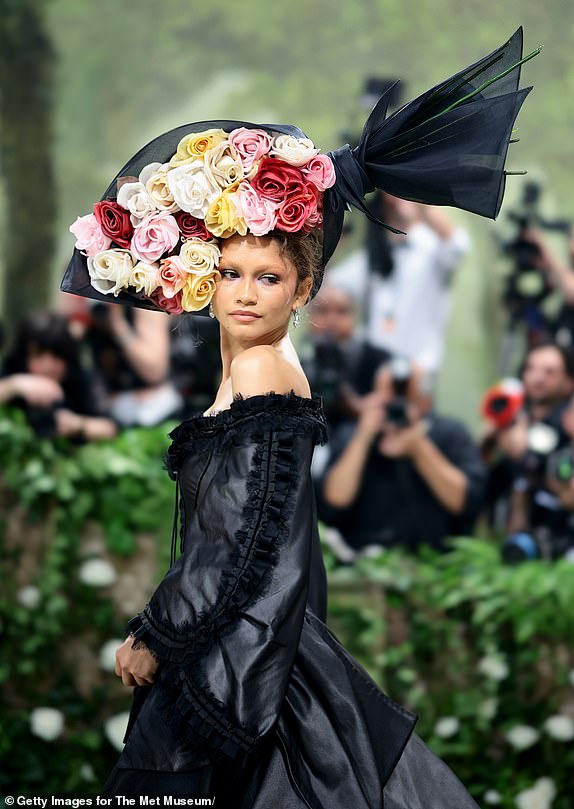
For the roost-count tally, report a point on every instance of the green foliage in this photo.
(467, 638)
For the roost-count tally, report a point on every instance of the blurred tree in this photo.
(26, 71)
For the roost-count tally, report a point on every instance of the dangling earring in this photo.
(211, 312)
(296, 319)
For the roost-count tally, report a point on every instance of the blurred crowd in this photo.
(395, 472)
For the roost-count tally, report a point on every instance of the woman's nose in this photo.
(246, 292)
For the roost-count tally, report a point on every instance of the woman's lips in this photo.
(245, 317)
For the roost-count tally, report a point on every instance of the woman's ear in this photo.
(303, 292)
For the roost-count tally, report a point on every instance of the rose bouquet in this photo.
(159, 236)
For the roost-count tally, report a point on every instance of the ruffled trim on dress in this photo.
(264, 528)
(266, 409)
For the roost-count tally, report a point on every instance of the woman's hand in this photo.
(135, 666)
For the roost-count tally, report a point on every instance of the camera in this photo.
(329, 369)
(503, 402)
(396, 410)
(540, 544)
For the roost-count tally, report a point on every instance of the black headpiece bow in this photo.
(447, 147)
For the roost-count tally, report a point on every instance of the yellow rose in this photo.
(195, 145)
(199, 257)
(222, 218)
(198, 291)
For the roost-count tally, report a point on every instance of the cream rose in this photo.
(145, 277)
(199, 257)
(295, 151)
(222, 165)
(193, 146)
(154, 177)
(192, 189)
(110, 270)
(198, 291)
(135, 198)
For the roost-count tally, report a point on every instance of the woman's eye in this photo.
(228, 273)
(271, 279)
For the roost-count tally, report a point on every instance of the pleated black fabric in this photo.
(256, 701)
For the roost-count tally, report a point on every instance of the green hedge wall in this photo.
(483, 652)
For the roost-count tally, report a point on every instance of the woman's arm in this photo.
(145, 345)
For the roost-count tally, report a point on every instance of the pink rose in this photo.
(172, 276)
(90, 238)
(251, 145)
(170, 305)
(276, 180)
(155, 235)
(260, 214)
(320, 171)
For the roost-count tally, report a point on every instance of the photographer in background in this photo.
(342, 365)
(42, 375)
(402, 476)
(131, 358)
(532, 441)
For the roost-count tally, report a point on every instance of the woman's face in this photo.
(258, 289)
(44, 363)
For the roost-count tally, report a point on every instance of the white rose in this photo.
(110, 270)
(539, 796)
(199, 257)
(521, 737)
(446, 727)
(135, 199)
(107, 654)
(97, 573)
(145, 277)
(560, 727)
(115, 729)
(29, 597)
(222, 165)
(494, 667)
(488, 708)
(155, 178)
(296, 151)
(191, 188)
(492, 797)
(47, 723)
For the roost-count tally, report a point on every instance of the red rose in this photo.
(300, 211)
(114, 221)
(170, 305)
(277, 180)
(191, 227)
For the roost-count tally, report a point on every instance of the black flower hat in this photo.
(153, 239)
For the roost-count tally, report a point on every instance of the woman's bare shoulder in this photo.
(262, 369)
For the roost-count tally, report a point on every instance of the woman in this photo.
(242, 694)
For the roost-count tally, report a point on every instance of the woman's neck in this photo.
(230, 347)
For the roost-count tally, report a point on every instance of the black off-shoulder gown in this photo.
(256, 703)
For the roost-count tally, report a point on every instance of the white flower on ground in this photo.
(97, 573)
(492, 797)
(115, 728)
(29, 597)
(446, 727)
(107, 654)
(47, 723)
(560, 727)
(87, 772)
(488, 708)
(539, 796)
(494, 667)
(521, 737)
